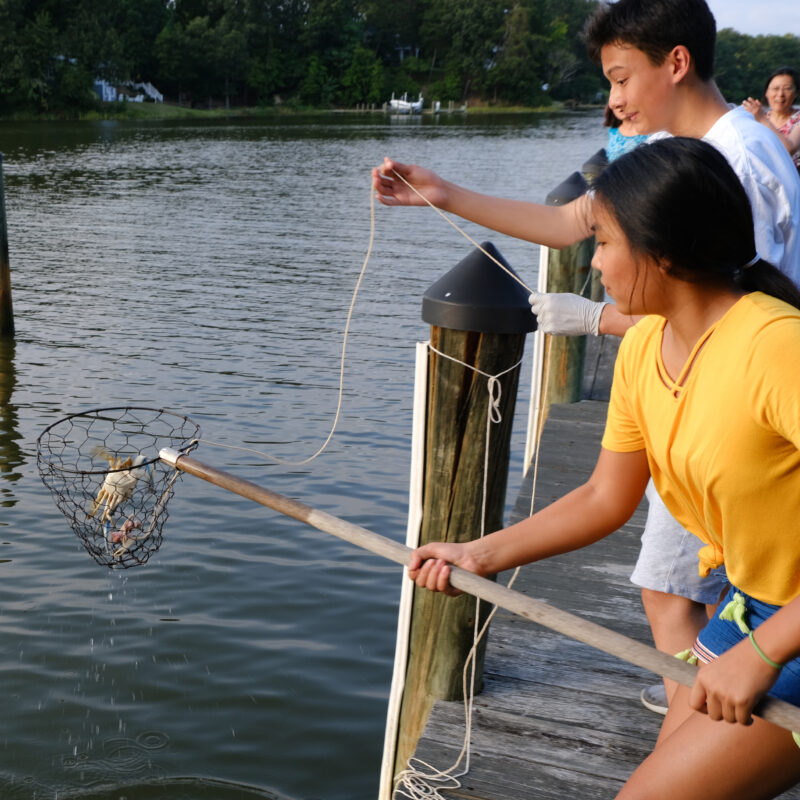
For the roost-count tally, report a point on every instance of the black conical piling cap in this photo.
(571, 189)
(477, 295)
(594, 166)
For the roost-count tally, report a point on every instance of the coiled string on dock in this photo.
(420, 780)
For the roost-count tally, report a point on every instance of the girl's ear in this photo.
(664, 267)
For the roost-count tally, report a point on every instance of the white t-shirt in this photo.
(771, 181)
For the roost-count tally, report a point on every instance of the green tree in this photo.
(467, 33)
(332, 30)
(276, 64)
(169, 49)
(230, 55)
(38, 59)
(569, 74)
(92, 37)
(363, 81)
(318, 86)
(200, 43)
(391, 27)
(517, 72)
(140, 22)
(743, 63)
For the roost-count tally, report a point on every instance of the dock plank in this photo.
(557, 718)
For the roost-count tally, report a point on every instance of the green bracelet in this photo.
(773, 664)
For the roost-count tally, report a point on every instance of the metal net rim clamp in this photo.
(149, 462)
(118, 509)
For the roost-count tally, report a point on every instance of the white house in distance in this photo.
(110, 93)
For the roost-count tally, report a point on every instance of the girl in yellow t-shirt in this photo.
(706, 400)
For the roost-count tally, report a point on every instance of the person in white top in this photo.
(658, 56)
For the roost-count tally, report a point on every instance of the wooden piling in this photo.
(592, 168)
(6, 310)
(442, 628)
(568, 270)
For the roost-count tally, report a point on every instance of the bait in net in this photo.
(103, 469)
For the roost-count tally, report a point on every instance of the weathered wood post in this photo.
(6, 310)
(479, 315)
(568, 271)
(592, 168)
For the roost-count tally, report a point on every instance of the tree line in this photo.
(323, 53)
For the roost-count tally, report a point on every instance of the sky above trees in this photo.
(756, 17)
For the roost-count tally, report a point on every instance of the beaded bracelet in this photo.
(773, 664)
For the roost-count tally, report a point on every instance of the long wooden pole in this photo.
(778, 712)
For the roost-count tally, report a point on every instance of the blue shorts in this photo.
(720, 635)
(668, 558)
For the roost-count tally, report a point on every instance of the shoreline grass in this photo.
(167, 111)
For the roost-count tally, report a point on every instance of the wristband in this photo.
(773, 664)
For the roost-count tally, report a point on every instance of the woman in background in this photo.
(782, 116)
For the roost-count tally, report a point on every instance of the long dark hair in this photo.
(679, 202)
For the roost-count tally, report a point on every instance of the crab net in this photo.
(103, 469)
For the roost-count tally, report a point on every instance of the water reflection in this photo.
(207, 269)
(11, 454)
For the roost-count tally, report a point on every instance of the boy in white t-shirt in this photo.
(658, 56)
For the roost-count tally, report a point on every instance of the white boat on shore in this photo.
(405, 106)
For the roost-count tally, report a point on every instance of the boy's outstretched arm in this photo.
(554, 226)
(399, 184)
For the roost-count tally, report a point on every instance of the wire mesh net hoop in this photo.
(103, 469)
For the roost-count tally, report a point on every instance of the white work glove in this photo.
(566, 314)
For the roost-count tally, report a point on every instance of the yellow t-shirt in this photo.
(723, 448)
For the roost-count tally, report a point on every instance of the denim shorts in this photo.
(720, 635)
(668, 558)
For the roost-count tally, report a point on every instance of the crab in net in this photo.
(104, 472)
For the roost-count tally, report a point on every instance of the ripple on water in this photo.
(208, 269)
(174, 789)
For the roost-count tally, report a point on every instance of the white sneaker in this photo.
(655, 698)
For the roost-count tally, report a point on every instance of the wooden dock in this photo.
(556, 718)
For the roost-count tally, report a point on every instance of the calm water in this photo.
(207, 269)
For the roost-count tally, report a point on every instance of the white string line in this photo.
(466, 235)
(341, 363)
(472, 241)
(367, 256)
(411, 778)
(540, 421)
(414, 782)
